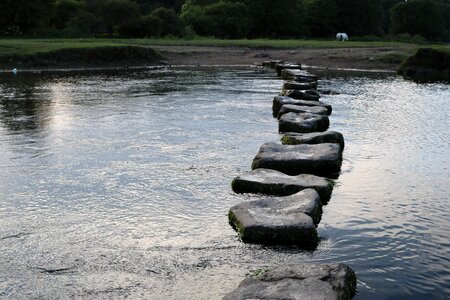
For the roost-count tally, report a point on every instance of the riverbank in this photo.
(326, 54)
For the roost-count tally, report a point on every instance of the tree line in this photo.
(422, 19)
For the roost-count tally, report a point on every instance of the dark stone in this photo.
(292, 138)
(287, 108)
(292, 85)
(273, 63)
(281, 67)
(298, 75)
(286, 220)
(279, 101)
(317, 159)
(302, 122)
(299, 282)
(302, 95)
(272, 182)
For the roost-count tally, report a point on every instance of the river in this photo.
(117, 184)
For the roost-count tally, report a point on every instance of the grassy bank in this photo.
(32, 46)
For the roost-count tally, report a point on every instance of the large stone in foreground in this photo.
(302, 122)
(320, 159)
(286, 220)
(272, 182)
(292, 138)
(287, 108)
(279, 101)
(299, 282)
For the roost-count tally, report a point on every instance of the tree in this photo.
(322, 18)
(283, 18)
(171, 24)
(360, 17)
(24, 15)
(113, 13)
(420, 17)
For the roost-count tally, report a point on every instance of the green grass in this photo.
(30, 46)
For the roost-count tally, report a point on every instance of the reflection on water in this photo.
(118, 185)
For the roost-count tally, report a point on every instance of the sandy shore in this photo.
(352, 58)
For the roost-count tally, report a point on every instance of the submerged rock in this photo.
(298, 75)
(287, 108)
(286, 220)
(279, 101)
(302, 122)
(310, 95)
(319, 159)
(292, 138)
(299, 282)
(272, 182)
(292, 85)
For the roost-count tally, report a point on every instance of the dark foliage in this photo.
(420, 19)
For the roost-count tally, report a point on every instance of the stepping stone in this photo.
(279, 101)
(299, 282)
(319, 159)
(310, 95)
(289, 220)
(292, 85)
(292, 138)
(271, 63)
(281, 67)
(272, 182)
(302, 122)
(298, 75)
(287, 108)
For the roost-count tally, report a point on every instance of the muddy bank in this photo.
(110, 56)
(353, 58)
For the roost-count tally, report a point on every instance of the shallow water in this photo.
(118, 185)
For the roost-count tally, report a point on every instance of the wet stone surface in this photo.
(309, 95)
(287, 108)
(302, 122)
(301, 281)
(279, 101)
(272, 182)
(320, 159)
(298, 76)
(292, 85)
(292, 138)
(288, 220)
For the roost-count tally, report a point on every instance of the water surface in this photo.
(118, 185)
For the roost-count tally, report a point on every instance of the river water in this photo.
(118, 185)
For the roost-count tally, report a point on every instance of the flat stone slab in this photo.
(279, 101)
(298, 75)
(319, 159)
(271, 63)
(292, 85)
(310, 95)
(302, 122)
(283, 66)
(287, 108)
(289, 220)
(272, 182)
(292, 138)
(299, 282)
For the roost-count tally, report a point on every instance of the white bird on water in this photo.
(14, 71)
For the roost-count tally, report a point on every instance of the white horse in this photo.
(342, 36)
